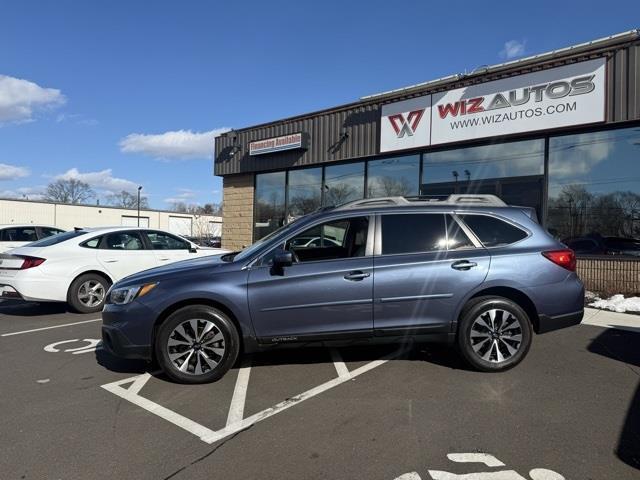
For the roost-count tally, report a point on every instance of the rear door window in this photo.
(413, 233)
(123, 241)
(491, 231)
(457, 239)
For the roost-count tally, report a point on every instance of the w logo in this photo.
(406, 126)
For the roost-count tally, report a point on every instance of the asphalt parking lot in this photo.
(69, 410)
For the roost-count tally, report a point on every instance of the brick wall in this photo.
(608, 276)
(237, 211)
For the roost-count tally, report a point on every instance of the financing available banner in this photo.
(558, 97)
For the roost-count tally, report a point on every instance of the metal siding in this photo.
(361, 120)
(634, 82)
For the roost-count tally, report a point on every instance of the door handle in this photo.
(111, 260)
(463, 265)
(164, 259)
(356, 276)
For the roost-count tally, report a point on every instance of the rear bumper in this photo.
(33, 286)
(547, 323)
(117, 343)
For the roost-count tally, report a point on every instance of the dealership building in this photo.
(559, 132)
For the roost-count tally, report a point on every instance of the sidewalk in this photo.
(607, 319)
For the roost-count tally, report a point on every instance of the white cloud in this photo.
(28, 193)
(102, 180)
(11, 172)
(77, 118)
(20, 99)
(512, 49)
(175, 145)
(185, 195)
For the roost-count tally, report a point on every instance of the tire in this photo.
(494, 334)
(88, 292)
(197, 344)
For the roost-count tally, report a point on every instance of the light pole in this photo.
(139, 188)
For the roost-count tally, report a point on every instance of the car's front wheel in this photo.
(197, 344)
(87, 293)
(494, 334)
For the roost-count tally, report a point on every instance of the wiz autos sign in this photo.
(406, 124)
(558, 97)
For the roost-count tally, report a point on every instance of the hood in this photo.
(212, 263)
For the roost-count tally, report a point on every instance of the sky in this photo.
(126, 93)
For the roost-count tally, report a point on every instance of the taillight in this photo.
(30, 262)
(564, 258)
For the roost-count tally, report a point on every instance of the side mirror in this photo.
(193, 249)
(283, 259)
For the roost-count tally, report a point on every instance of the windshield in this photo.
(247, 252)
(55, 239)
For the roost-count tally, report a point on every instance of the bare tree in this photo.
(339, 193)
(68, 191)
(127, 200)
(211, 209)
(388, 186)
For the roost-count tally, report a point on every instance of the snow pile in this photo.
(590, 296)
(617, 303)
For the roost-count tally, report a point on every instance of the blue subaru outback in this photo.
(468, 270)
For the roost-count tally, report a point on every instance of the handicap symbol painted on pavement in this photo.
(89, 345)
(491, 462)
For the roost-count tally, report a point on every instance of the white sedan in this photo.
(78, 267)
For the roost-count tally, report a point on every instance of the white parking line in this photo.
(236, 410)
(210, 436)
(341, 368)
(131, 394)
(49, 328)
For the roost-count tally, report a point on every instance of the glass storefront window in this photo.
(343, 183)
(305, 187)
(513, 171)
(487, 162)
(269, 203)
(390, 177)
(594, 189)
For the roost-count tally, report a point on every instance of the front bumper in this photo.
(127, 330)
(549, 324)
(117, 343)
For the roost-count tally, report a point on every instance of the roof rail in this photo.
(455, 199)
(471, 199)
(374, 202)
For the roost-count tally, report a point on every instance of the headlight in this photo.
(124, 295)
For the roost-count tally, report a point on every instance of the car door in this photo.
(123, 253)
(424, 266)
(328, 290)
(169, 248)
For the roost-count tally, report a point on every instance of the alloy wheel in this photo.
(496, 335)
(196, 346)
(91, 293)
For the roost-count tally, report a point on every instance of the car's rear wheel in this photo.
(197, 344)
(87, 293)
(494, 334)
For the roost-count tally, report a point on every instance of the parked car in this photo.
(13, 236)
(598, 245)
(470, 271)
(78, 267)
